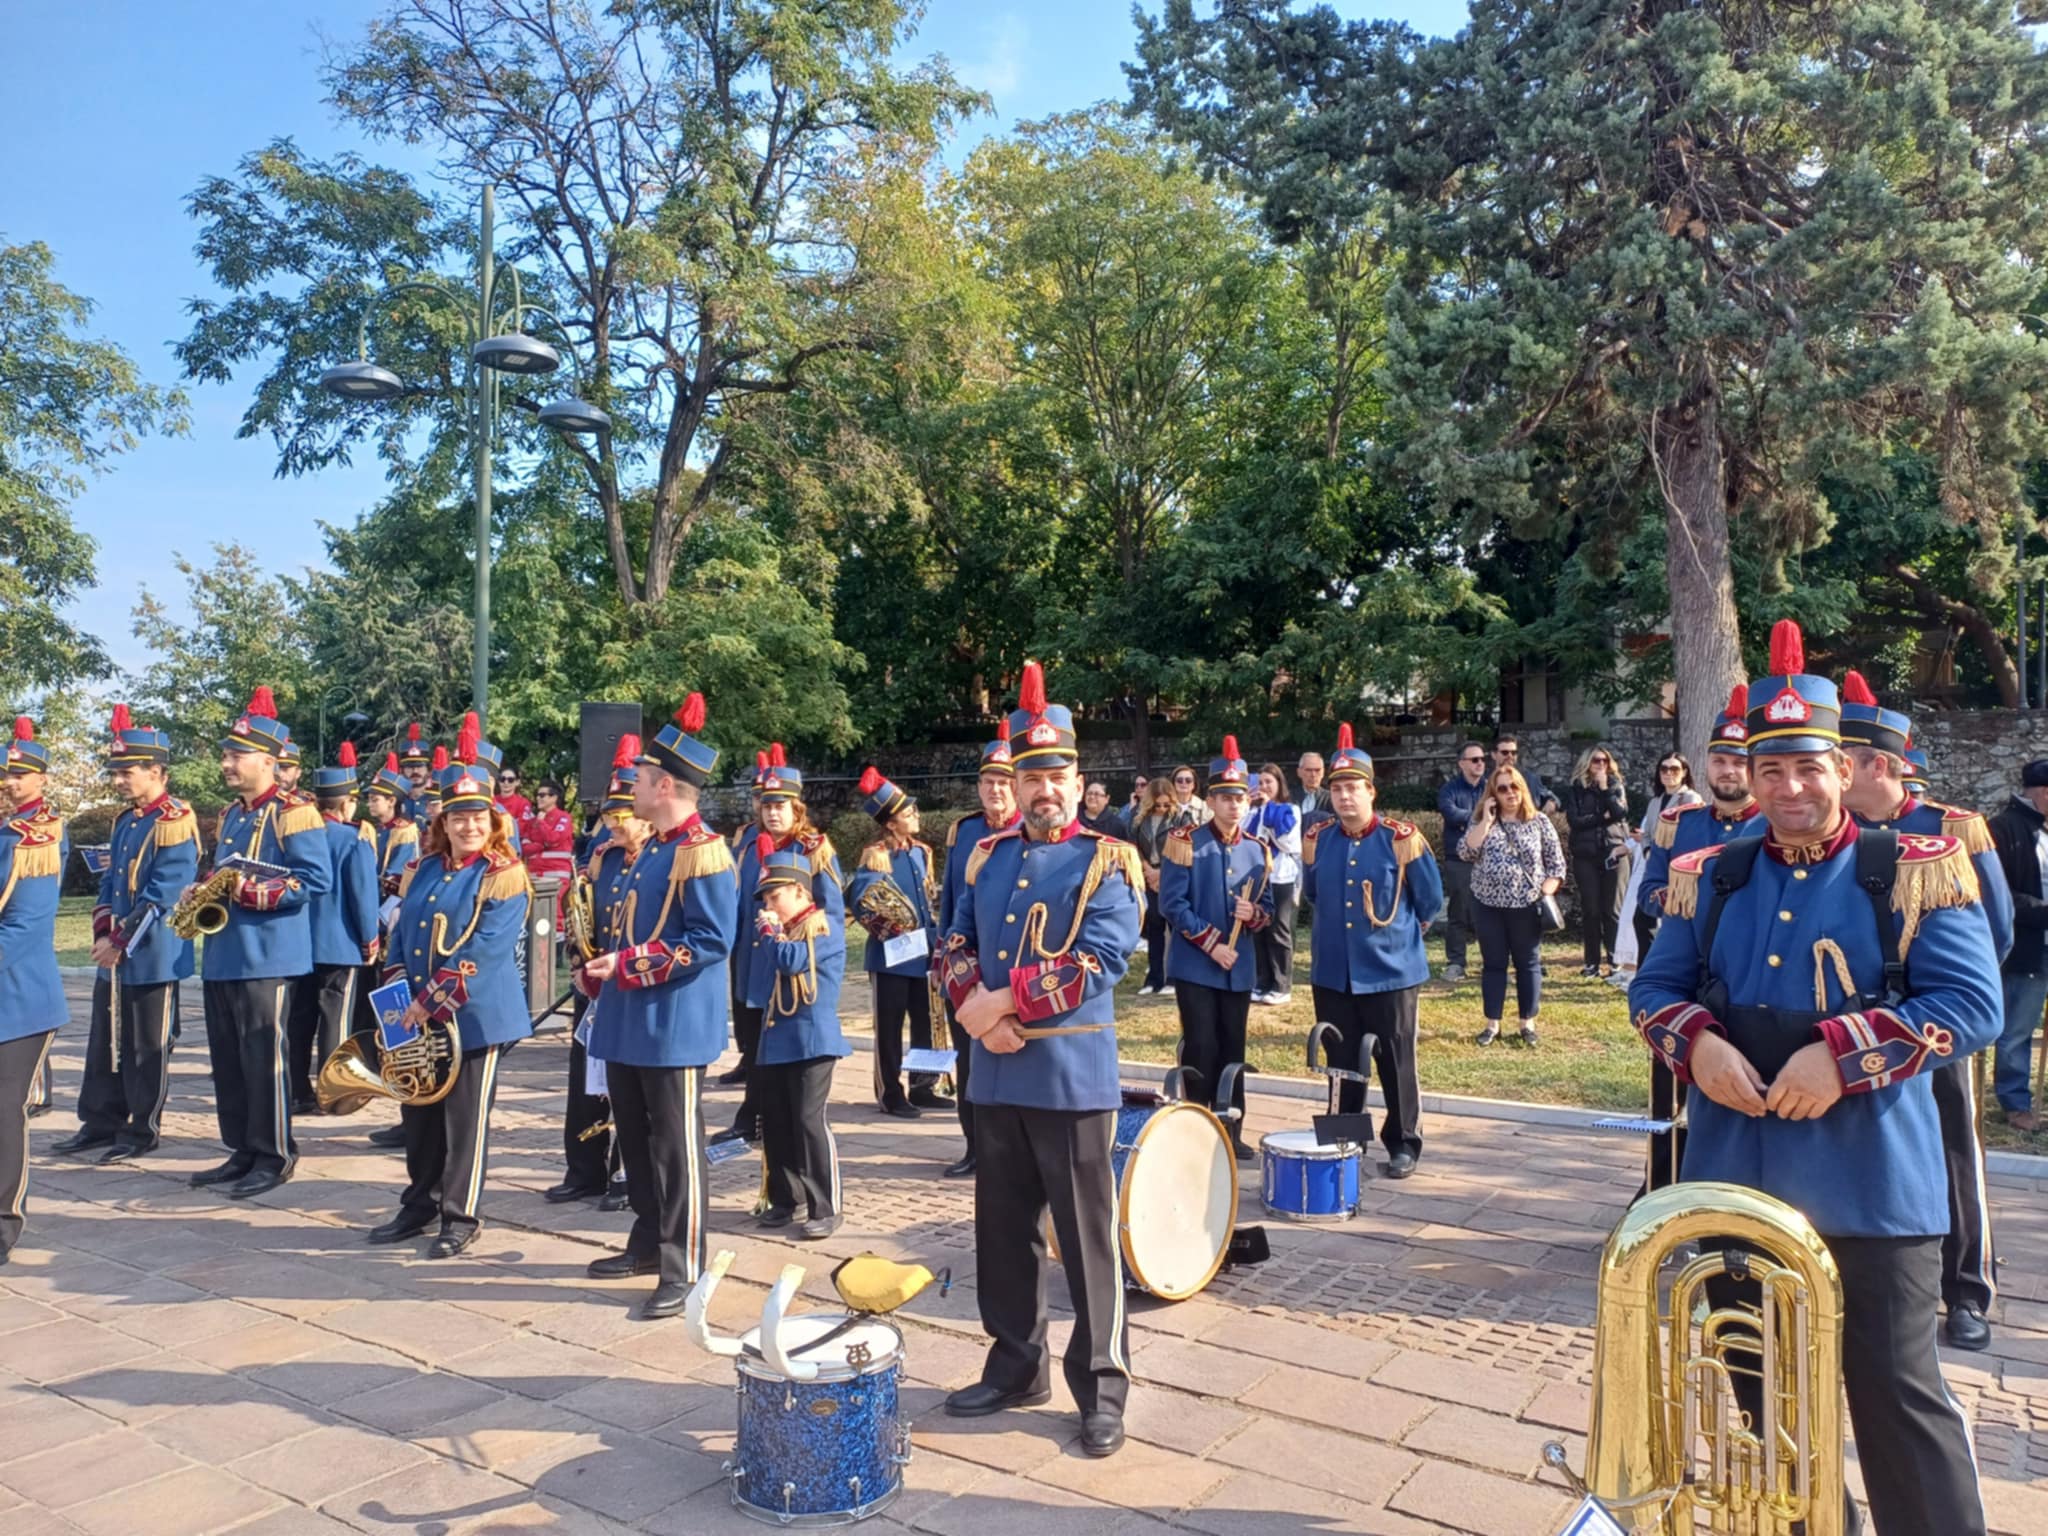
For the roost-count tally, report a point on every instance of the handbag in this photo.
(1553, 912)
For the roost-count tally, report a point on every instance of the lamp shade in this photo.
(573, 416)
(516, 353)
(362, 381)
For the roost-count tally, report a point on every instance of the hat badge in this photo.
(1043, 734)
(1788, 708)
(771, 782)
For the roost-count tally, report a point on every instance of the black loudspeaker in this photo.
(601, 727)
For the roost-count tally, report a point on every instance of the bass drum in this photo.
(1176, 1178)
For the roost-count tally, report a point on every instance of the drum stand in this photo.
(1331, 1126)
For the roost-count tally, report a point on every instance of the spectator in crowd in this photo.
(1455, 802)
(1674, 788)
(1314, 798)
(2020, 834)
(516, 804)
(1188, 803)
(1277, 824)
(1096, 815)
(1517, 861)
(1160, 816)
(1596, 810)
(1507, 753)
(547, 838)
(1134, 807)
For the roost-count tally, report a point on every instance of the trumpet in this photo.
(204, 908)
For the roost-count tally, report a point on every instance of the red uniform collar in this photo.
(688, 824)
(334, 817)
(1004, 825)
(1843, 838)
(268, 795)
(1071, 830)
(28, 811)
(1230, 841)
(157, 804)
(1749, 809)
(1371, 825)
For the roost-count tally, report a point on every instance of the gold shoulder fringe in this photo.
(1112, 854)
(405, 878)
(1937, 878)
(299, 817)
(38, 860)
(812, 925)
(1968, 828)
(366, 833)
(1180, 848)
(403, 834)
(1665, 833)
(1409, 844)
(982, 849)
(823, 855)
(1682, 895)
(876, 857)
(172, 830)
(504, 884)
(695, 861)
(953, 831)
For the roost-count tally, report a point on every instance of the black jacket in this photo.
(1598, 819)
(2012, 834)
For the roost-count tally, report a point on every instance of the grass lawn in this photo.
(74, 930)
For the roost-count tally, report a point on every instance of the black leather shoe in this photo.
(308, 1106)
(225, 1173)
(1400, 1165)
(82, 1141)
(775, 1216)
(566, 1191)
(1102, 1433)
(817, 1229)
(388, 1136)
(930, 1098)
(119, 1153)
(902, 1109)
(259, 1181)
(450, 1243)
(615, 1199)
(1245, 1154)
(33, 1111)
(402, 1228)
(981, 1400)
(731, 1079)
(667, 1300)
(1967, 1328)
(964, 1169)
(618, 1266)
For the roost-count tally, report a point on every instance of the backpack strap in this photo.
(1732, 868)
(1877, 866)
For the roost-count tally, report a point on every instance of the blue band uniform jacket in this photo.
(1373, 894)
(801, 1019)
(961, 836)
(32, 848)
(1200, 879)
(1799, 937)
(344, 916)
(1056, 922)
(666, 1005)
(1932, 818)
(910, 869)
(269, 932)
(396, 844)
(1687, 829)
(151, 857)
(456, 942)
(754, 960)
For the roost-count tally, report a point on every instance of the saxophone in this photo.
(204, 909)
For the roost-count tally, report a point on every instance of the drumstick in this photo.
(1245, 895)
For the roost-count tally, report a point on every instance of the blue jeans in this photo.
(2024, 998)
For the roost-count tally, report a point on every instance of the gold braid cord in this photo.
(803, 990)
(1824, 952)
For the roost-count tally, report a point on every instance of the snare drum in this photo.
(1306, 1180)
(823, 1452)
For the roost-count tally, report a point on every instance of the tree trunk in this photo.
(1972, 621)
(1706, 650)
(1141, 734)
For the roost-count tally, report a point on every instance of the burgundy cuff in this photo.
(1257, 922)
(102, 922)
(958, 970)
(649, 965)
(448, 991)
(1204, 939)
(263, 895)
(1876, 1049)
(1044, 990)
(1671, 1031)
(392, 972)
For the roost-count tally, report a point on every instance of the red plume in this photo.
(1003, 729)
(775, 757)
(471, 724)
(691, 716)
(1856, 689)
(629, 748)
(24, 728)
(122, 720)
(391, 762)
(468, 740)
(1031, 690)
(346, 756)
(412, 734)
(760, 762)
(763, 846)
(870, 779)
(1344, 738)
(261, 704)
(1738, 701)
(1230, 748)
(1788, 649)
(440, 761)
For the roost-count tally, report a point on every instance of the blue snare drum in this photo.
(823, 1452)
(1307, 1181)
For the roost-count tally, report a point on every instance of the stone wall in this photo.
(1974, 757)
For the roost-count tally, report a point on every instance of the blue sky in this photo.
(117, 110)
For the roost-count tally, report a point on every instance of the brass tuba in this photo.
(419, 1072)
(1668, 1440)
(204, 910)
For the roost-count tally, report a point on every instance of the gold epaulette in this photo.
(176, 823)
(812, 925)
(699, 857)
(405, 878)
(1665, 833)
(1308, 844)
(1179, 847)
(506, 879)
(40, 852)
(1966, 827)
(1682, 895)
(1113, 854)
(366, 832)
(296, 816)
(953, 831)
(1933, 872)
(985, 847)
(403, 832)
(1409, 843)
(820, 852)
(876, 857)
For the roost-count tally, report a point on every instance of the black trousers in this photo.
(1273, 945)
(124, 1087)
(897, 998)
(589, 1161)
(963, 1069)
(363, 1021)
(21, 1062)
(1155, 942)
(245, 1029)
(1457, 909)
(1968, 1259)
(800, 1157)
(447, 1145)
(1030, 1161)
(1388, 1018)
(746, 1028)
(323, 1010)
(1667, 1148)
(658, 1113)
(1600, 887)
(1646, 935)
(1918, 1469)
(1212, 1026)
(1509, 933)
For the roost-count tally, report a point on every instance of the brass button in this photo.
(1798, 874)
(1772, 960)
(1002, 954)
(417, 951)
(1009, 917)
(1784, 917)
(1023, 885)
(1351, 925)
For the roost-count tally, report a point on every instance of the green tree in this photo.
(1701, 255)
(68, 405)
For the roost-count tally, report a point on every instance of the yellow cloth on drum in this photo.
(868, 1282)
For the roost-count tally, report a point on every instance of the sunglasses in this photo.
(1507, 751)
(1189, 783)
(1671, 768)
(1471, 759)
(1603, 758)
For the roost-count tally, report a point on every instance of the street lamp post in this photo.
(490, 354)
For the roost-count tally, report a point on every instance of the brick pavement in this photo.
(172, 1363)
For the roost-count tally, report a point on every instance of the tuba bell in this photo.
(419, 1072)
(1668, 1440)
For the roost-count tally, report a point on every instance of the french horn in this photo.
(420, 1072)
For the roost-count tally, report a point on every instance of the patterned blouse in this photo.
(1509, 868)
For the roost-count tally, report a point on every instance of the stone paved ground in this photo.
(174, 1363)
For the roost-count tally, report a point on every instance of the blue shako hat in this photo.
(1791, 710)
(995, 755)
(676, 749)
(25, 754)
(1348, 761)
(257, 729)
(341, 778)
(775, 779)
(780, 866)
(1731, 726)
(1229, 772)
(465, 784)
(1916, 769)
(129, 743)
(1038, 730)
(879, 798)
(390, 781)
(1866, 724)
(618, 794)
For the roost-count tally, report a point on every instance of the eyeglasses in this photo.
(1185, 783)
(1671, 768)
(1471, 759)
(508, 778)
(1602, 758)
(1507, 751)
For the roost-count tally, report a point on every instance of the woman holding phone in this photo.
(1517, 861)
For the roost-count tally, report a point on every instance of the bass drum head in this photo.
(1178, 1204)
